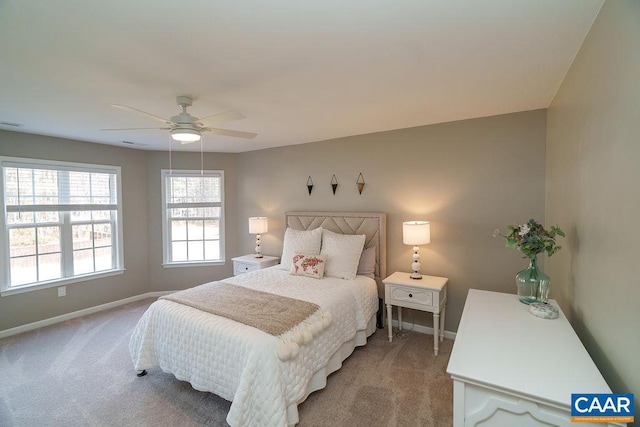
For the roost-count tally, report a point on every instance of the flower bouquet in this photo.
(531, 238)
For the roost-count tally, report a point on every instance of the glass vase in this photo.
(533, 285)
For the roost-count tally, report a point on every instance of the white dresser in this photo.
(510, 368)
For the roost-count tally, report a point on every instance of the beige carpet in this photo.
(79, 373)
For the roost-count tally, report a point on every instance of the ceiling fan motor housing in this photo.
(183, 118)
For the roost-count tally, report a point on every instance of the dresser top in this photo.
(500, 344)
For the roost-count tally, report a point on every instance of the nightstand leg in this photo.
(389, 315)
(442, 322)
(436, 329)
(400, 318)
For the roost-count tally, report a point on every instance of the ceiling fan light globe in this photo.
(185, 135)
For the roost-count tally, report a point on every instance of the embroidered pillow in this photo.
(300, 241)
(367, 264)
(343, 254)
(309, 265)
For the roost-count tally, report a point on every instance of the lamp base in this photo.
(258, 249)
(415, 275)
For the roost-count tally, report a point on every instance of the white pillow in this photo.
(307, 242)
(343, 254)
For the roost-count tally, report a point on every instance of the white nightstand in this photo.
(426, 294)
(246, 263)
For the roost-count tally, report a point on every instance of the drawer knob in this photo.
(410, 295)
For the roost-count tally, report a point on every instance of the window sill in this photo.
(193, 264)
(59, 282)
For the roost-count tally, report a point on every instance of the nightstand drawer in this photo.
(410, 297)
(247, 263)
(244, 267)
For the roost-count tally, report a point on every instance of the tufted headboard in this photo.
(372, 224)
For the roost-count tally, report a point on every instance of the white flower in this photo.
(524, 230)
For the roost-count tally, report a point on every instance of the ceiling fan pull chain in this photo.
(170, 168)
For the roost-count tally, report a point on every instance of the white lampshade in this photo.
(185, 135)
(258, 225)
(416, 233)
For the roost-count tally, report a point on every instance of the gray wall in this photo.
(468, 178)
(593, 183)
(20, 309)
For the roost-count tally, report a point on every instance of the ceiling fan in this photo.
(186, 128)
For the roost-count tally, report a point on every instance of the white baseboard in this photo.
(422, 329)
(53, 320)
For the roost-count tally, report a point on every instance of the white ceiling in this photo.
(299, 70)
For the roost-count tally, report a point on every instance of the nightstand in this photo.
(246, 263)
(426, 294)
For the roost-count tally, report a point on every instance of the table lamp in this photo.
(257, 226)
(416, 233)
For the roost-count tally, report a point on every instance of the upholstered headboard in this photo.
(372, 224)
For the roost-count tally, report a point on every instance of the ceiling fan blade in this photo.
(138, 129)
(144, 113)
(226, 116)
(227, 132)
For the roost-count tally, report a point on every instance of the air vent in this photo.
(137, 144)
(15, 125)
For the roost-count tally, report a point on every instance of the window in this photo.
(61, 223)
(192, 217)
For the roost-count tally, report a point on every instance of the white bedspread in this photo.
(238, 362)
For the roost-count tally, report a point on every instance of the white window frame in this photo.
(166, 229)
(66, 244)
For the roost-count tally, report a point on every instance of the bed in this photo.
(267, 375)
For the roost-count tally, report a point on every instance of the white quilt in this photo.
(238, 362)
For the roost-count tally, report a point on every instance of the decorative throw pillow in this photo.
(301, 241)
(309, 265)
(343, 254)
(367, 264)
